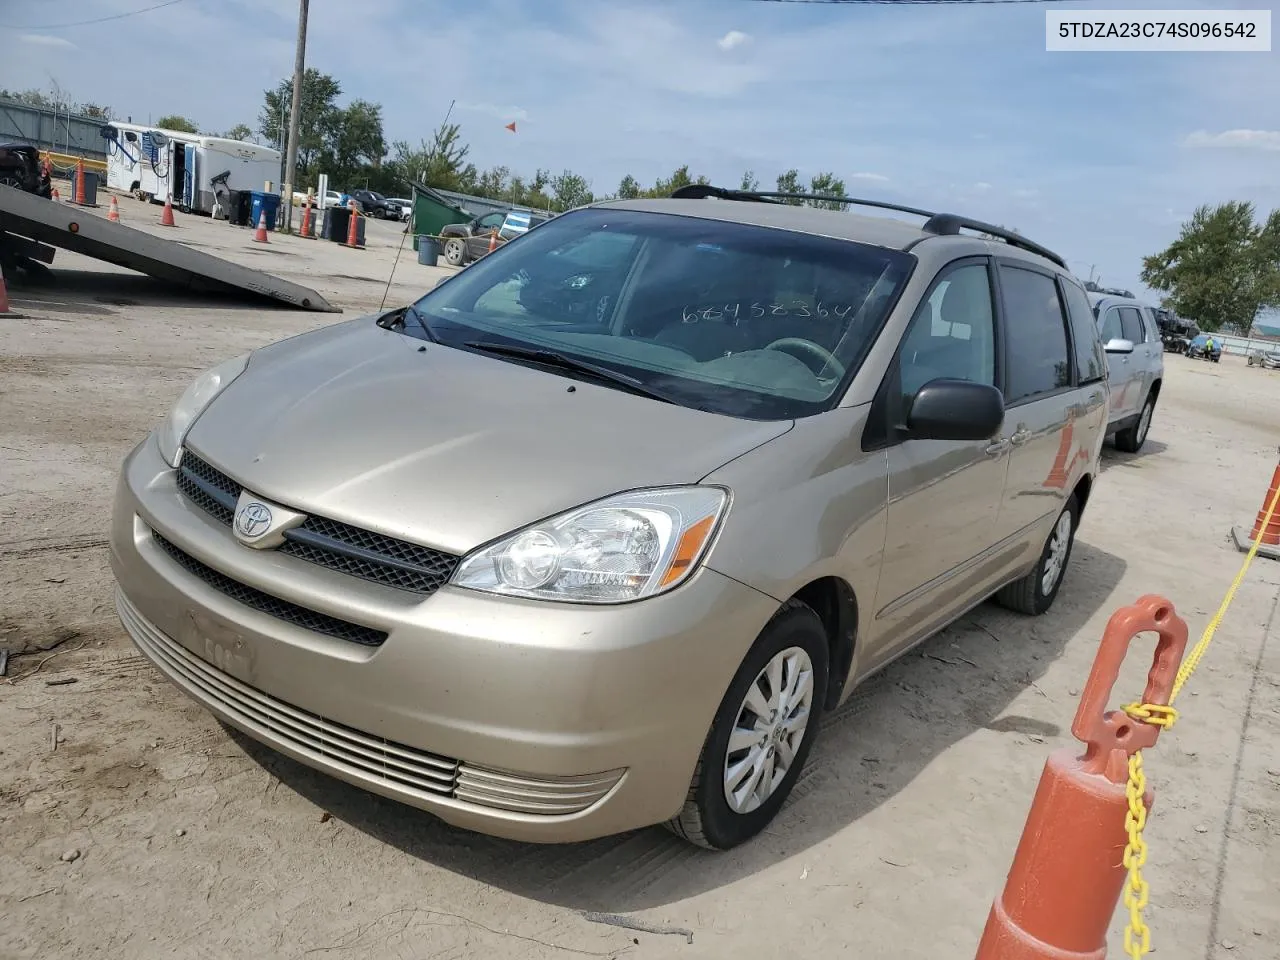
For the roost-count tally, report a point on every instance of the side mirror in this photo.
(1119, 345)
(946, 409)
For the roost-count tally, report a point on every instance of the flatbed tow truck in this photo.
(31, 227)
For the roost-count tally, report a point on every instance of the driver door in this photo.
(478, 243)
(944, 496)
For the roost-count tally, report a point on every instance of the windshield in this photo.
(743, 320)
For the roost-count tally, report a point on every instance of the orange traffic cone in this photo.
(353, 226)
(1069, 870)
(55, 196)
(1266, 528)
(493, 239)
(79, 183)
(306, 218)
(114, 213)
(166, 218)
(260, 235)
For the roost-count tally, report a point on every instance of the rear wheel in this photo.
(1034, 594)
(454, 252)
(761, 735)
(1131, 439)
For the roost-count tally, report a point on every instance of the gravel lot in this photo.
(151, 831)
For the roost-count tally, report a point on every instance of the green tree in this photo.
(827, 185)
(789, 182)
(1223, 268)
(569, 190)
(749, 182)
(354, 143)
(179, 123)
(679, 178)
(315, 125)
(241, 131)
(628, 188)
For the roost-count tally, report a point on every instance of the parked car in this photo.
(406, 206)
(1205, 346)
(375, 205)
(466, 242)
(1269, 359)
(1135, 366)
(22, 169)
(563, 567)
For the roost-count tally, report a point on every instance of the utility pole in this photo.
(291, 154)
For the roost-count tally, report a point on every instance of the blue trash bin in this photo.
(261, 202)
(428, 250)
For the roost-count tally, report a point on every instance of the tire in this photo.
(707, 819)
(455, 252)
(1131, 439)
(1029, 595)
(378, 213)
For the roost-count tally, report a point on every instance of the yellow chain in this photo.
(1137, 935)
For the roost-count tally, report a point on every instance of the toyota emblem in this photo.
(253, 519)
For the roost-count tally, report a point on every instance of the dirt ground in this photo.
(133, 825)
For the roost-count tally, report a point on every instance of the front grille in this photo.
(326, 743)
(208, 488)
(339, 546)
(272, 606)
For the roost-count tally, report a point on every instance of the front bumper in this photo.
(533, 721)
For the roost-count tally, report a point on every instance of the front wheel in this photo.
(1034, 594)
(761, 734)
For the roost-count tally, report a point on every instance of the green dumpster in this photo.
(431, 212)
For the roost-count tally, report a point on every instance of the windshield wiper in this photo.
(570, 364)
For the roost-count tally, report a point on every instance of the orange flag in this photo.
(512, 126)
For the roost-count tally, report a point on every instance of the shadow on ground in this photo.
(1111, 457)
(89, 292)
(898, 722)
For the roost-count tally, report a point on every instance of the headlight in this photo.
(625, 547)
(193, 402)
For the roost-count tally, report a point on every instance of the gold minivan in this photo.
(589, 536)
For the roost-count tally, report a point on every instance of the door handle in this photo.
(1021, 436)
(997, 447)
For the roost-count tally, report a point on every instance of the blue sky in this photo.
(1097, 155)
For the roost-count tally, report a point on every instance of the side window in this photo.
(952, 334)
(1131, 324)
(1110, 326)
(1036, 333)
(490, 221)
(1091, 361)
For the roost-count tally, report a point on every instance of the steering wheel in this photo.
(811, 351)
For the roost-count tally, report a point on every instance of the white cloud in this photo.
(734, 38)
(44, 40)
(1238, 139)
(982, 185)
(876, 177)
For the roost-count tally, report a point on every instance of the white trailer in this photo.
(171, 165)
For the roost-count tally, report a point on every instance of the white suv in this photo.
(1135, 365)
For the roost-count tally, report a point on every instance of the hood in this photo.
(442, 446)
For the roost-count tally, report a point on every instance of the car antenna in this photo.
(387, 289)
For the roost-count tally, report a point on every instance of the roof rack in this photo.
(941, 224)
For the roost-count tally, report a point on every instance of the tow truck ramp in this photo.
(31, 226)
